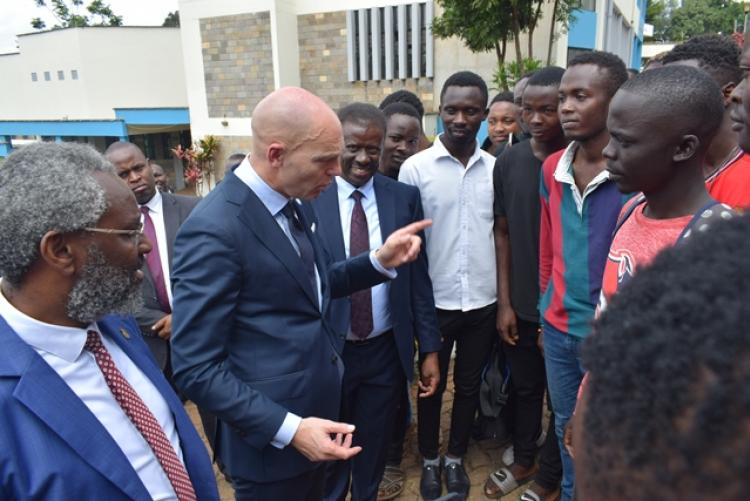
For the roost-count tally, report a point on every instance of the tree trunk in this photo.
(516, 32)
(552, 32)
(531, 42)
(533, 24)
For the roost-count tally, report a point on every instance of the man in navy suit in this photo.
(251, 342)
(85, 413)
(380, 325)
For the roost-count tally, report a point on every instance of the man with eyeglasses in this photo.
(162, 215)
(86, 414)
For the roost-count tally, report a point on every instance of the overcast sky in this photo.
(17, 15)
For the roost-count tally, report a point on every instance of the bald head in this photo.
(297, 142)
(290, 116)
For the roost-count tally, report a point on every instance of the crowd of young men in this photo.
(595, 240)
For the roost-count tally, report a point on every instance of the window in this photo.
(47, 76)
(387, 43)
(60, 75)
(74, 74)
(34, 78)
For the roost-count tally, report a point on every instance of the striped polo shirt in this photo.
(575, 234)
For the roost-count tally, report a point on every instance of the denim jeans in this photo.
(564, 375)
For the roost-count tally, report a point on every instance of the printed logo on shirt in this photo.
(619, 270)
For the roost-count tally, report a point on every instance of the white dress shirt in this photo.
(156, 211)
(381, 312)
(460, 243)
(275, 202)
(62, 349)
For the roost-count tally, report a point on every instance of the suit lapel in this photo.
(386, 206)
(330, 212)
(52, 401)
(171, 221)
(113, 328)
(256, 217)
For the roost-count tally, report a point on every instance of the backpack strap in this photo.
(635, 202)
(696, 217)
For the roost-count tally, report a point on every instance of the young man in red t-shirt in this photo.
(726, 167)
(661, 124)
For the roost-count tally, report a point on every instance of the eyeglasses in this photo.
(136, 234)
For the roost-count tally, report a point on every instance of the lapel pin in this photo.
(124, 333)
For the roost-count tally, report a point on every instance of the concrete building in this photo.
(96, 85)
(236, 51)
(612, 25)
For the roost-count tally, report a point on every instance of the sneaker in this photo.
(430, 486)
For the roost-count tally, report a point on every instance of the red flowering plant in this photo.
(198, 162)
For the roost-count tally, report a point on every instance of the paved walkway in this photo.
(481, 458)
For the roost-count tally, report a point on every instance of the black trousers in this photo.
(373, 381)
(528, 380)
(528, 383)
(395, 451)
(550, 462)
(472, 332)
(305, 487)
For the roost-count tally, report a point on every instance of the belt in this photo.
(370, 340)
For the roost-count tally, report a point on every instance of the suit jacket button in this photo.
(334, 359)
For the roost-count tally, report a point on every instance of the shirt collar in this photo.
(272, 199)
(442, 151)
(61, 341)
(155, 204)
(346, 189)
(564, 170)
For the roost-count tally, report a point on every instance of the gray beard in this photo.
(102, 290)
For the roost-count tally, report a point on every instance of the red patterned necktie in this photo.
(142, 418)
(153, 261)
(359, 242)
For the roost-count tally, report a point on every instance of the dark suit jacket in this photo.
(250, 341)
(52, 447)
(411, 302)
(176, 209)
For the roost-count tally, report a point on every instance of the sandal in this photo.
(392, 484)
(529, 495)
(502, 482)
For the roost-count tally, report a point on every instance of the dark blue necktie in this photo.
(306, 252)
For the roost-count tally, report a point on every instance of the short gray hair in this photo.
(45, 187)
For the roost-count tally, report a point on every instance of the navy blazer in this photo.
(52, 447)
(411, 301)
(249, 339)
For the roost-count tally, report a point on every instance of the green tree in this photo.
(676, 23)
(67, 14)
(172, 19)
(487, 25)
(698, 17)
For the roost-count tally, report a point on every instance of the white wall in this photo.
(126, 67)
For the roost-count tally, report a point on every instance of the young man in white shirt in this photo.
(454, 178)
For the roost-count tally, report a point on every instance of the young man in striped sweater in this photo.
(579, 210)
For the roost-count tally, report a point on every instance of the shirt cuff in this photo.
(286, 431)
(388, 272)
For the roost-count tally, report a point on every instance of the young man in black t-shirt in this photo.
(517, 209)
